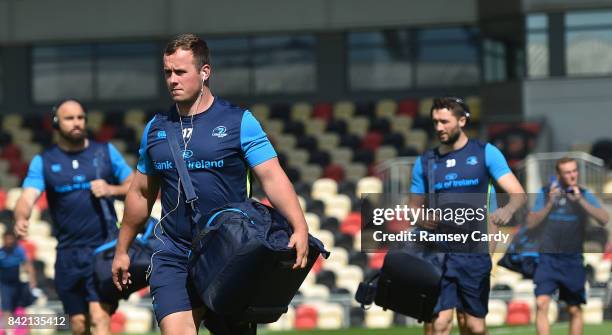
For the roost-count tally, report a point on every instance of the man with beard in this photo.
(80, 177)
(467, 168)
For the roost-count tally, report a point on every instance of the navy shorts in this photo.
(561, 272)
(465, 284)
(74, 279)
(171, 289)
(9, 294)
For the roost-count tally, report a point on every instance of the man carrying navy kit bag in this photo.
(221, 145)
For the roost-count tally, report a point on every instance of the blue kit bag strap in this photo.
(209, 227)
(111, 222)
(431, 180)
(181, 168)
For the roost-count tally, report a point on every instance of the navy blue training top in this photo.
(77, 216)
(10, 260)
(563, 229)
(222, 144)
(469, 171)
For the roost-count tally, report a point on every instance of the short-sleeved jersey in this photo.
(469, 170)
(563, 229)
(66, 177)
(10, 260)
(223, 142)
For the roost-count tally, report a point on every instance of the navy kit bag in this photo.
(241, 266)
(408, 283)
(140, 253)
(522, 255)
(409, 280)
(239, 262)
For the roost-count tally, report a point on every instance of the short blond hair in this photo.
(562, 161)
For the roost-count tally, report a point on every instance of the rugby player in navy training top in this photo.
(461, 165)
(560, 212)
(221, 144)
(12, 257)
(77, 174)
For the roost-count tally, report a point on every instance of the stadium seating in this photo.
(315, 292)
(519, 313)
(118, 321)
(138, 319)
(338, 259)
(351, 223)
(497, 313)
(376, 317)
(324, 188)
(408, 107)
(344, 110)
(386, 108)
(368, 185)
(331, 316)
(349, 277)
(593, 311)
(323, 111)
(306, 317)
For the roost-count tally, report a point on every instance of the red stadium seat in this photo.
(335, 172)
(144, 292)
(518, 313)
(376, 259)
(323, 111)
(42, 203)
(608, 252)
(2, 199)
(306, 317)
(106, 133)
(29, 247)
(18, 168)
(372, 170)
(351, 224)
(372, 141)
(10, 151)
(409, 107)
(118, 322)
(316, 267)
(47, 124)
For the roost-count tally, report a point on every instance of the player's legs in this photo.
(184, 322)
(461, 321)
(100, 318)
(177, 308)
(70, 288)
(8, 296)
(427, 328)
(443, 322)
(542, 324)
(475, 325)
(576, 322)
(78, 324)
(572, 291)
(72, 296)
(472, 273)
